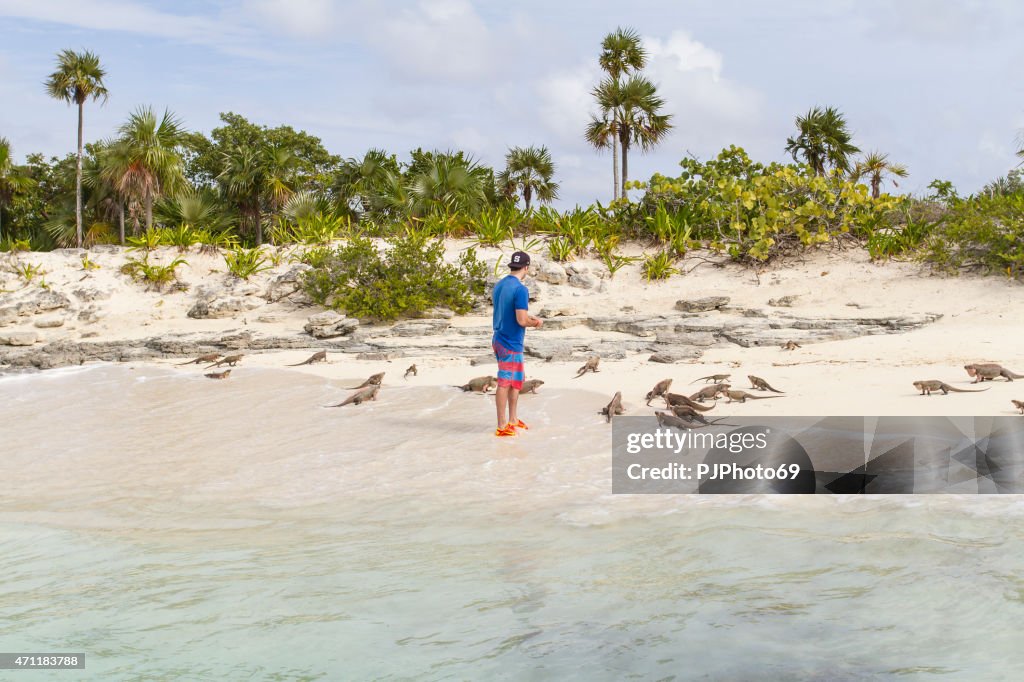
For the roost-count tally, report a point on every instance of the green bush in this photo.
(244, 263)
(156, 276)
(983, 233)
(755, 212)
(409, 277)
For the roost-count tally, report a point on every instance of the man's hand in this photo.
(538, 323)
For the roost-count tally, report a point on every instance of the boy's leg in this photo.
(501, 401)
(513, 404)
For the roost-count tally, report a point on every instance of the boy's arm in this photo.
(525, 319)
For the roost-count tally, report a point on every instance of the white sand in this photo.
(982, 321)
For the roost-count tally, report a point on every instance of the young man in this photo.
(511, 301)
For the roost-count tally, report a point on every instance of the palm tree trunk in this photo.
(625, 160)
(615, 164)
(78, 178)
(259, 228)
(876, 180)
(527, 195)
(120, 220)
(149, 211)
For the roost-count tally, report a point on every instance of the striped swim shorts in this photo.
(510, 366)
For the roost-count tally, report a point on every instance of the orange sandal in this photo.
(505, 431)
(520, 425)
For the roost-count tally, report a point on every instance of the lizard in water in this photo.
(368, 393)
(480, 384)
(531, 386)
(219, 375)
(614, 407)
(374, 380)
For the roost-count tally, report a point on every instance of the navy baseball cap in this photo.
(520, 259)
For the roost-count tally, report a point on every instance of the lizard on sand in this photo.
(412, 370)
(673, 399)
(928, 385)
(709, 392)
(480, 384)
(209, 357)
(659, 390)
(590, 366)
(714, 378)
(531, 386)
(987, 371)
(319, 356)
(230, 361)
(741, 396)
(761, 385)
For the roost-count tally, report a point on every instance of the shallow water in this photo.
(173, 527)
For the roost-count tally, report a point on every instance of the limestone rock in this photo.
(583, 280)
(329, 324)
(701, 305)
(436, 313)
(222, 307)
(49, 323)
(421, 328)
(783, 301)
(551, 272)
(287, 284)
(19, 338)
(8, 316)
(669, 357)
(378, 356)
(88, 295)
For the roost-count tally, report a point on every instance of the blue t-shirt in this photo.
(509, 296)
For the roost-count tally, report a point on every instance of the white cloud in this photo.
(301, 18)
(704, 103)
(439, 39)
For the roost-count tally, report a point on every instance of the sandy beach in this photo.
(956, 320)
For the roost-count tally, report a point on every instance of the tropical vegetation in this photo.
(155, 183)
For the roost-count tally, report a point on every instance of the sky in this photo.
(933, 83)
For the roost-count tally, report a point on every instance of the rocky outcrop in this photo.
(702, 305)
(288, 285)
(329, 325)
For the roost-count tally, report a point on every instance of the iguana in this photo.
(761, 385)
(987, 371)
(927, 386)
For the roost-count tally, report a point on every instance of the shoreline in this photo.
(866, 330)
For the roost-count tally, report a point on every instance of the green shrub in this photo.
(183, 237)
(984, 233)
(147, 241)
(755, 212)
(244, 263)
(409, 277)
(660, 266)
(156, 276)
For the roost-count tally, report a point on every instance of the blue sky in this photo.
(935, 83)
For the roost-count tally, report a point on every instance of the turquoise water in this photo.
(177, 528)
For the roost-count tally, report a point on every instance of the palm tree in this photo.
(602, 132)
(144, 161)
(364, 180)
(242, 177)
(631, 115)
(12, 179)
(641, 122)
(874, 166)
(529, 171)
(621, 54)
(449, 184)
(823, 140)
(78, 77)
